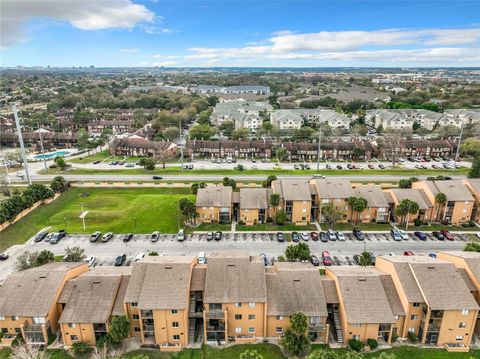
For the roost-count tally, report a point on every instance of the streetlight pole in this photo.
(318, 148)
(458, 148)
(20, 139)
(40, 130)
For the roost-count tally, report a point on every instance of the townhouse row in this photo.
(302, 201)
(174, 301)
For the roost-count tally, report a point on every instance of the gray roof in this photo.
(235, 277)
(373, 194)
(475, 184)
(253, 198)
(414, 194)
(455, 190)
(466, 278)
(363, 293)
(392, 295)
(472, 259)
(32, 292)
(214, 196)
(199, 274)
(160, 282)
(292, 190)
(295, 289)
(329, 290)
(334, 188)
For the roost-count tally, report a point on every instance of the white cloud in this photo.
(129, 51)
(167, 57)
(82, 14)
(165, 63)
(154, 30)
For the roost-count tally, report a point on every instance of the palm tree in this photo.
(274, 202)
(440, 200)
(365, 259)
(405, 208)
(358, 205)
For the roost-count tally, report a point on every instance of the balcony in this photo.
(215, 328)
(215, 314)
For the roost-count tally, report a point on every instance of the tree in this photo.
(274, 201)
(83, 139)
(303, 133)
(268, 182)
(405, 183)
(26, 260)
(250, 354)
(331, 213)
(227, 128)
(300, 251)
(280, 217)
(357, 153)
(196, 186)
(170, 133)
(204, 117)
(59, 184)
(27, 351)
(240, 134)
(44, 257)
(365, 259)
(471, 147)
(440, 200)
(74, 254)
(60, 162)
(229, 182)
(147, 163)
(281, 154)
(119, 329)
(187, 209)
(474, 171)
(295, 340)
(393, 143)
(201, 132)
(405, 208)
(358, 205)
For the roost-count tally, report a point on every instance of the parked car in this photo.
(295, 237)
(324, 237)
(314, 260)
(395, 235)
(181, 235)
(373, 259)
(107, 236)
(280, 237)
(356, 258)
(127, 237)
(446, 233)
(332, 235)
(305, 236)
(218, 235)
(438, 235)
(326, 259)
(403, 234)
(202, 258)
(264, 258)
(209, 236)
(420, 235)
(129, 165)
(328, 166)
(96, 162)
(90, 261)
(48, 237)
(371, 166)
(339, 167)
(120, 260)
(382, 167)
(477, 234)
(95, 236)
(157, 177)
(3, 256)
(408, 253)
(432, 255)
(340, 236)
(154, 236)
(314, 236)
(358, 234)
(58, 236)
(40, 236)
(139, 256)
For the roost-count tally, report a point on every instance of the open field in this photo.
(114, 210)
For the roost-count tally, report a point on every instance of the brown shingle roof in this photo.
(199, 274)
(295, 289)
(330, 290)
(414, 194)
(466, 278)
(235, 277)
(334, 188)
(292, 190)
(253, 198)
(373, 194)
(471, 258)
(392, 295)
(455, 190)
(214, 196)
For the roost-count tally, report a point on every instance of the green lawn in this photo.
(275, 227)
(99, 156)
(439, 227)
(154, 209)
(362, 226)
(406, 352)
(212, 227)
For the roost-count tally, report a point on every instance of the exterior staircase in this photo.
(191, 331)
(338, 327)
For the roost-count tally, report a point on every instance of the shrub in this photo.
(153, 253)
(394, 337)
(281, 258)
(103, 342)
(241, 223)
(412, 337)
(80, 347)
(372, 343)
(355, 345)
(51, 338)
(417, 222)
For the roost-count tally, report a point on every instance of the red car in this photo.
(447, 234)
(326, 259)
(314, 236)
(408, 253)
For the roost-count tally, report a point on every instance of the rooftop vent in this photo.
(168, 267)
(97, 281)
(43, 276)
(231, 265)
(362, 279)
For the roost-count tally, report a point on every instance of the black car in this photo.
(120, 260)
(295, 237)
(218, 236)
(95, 236)
(127, 237)
(190, 166)
(356, 258)
(438, 235)
(210, 236)
(339, 167)
(358, 234)
(307, 166)
(323, 237)
(157, 177)
(3, 256)
(314, 260)
(280, 237)
(40, 236)
(57, 236)
(96, 162)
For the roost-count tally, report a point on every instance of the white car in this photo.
(478, 235)
(305, 236)
(139, 256)
(202, 258)
(331, 235)
(181, 235)
(340, 236)
(403, 234)
(90, 261)
(154, 236)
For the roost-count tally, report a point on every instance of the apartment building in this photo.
(28, 301)
(214, 204)
(230, 148)
(235, 298)
(378, 209)
(90, 301)
(403, 119)
(368, 306)
(468, 265)
(244, 114)
(332, 190)
(252, 206)
(426, 211)
(473, 185)
(439, 306)
(136, 145)
(457, 117)
(294, 118)
(460, 202)
(292, 288)
(296, 199)
(157, 300)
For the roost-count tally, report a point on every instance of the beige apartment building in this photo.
(28, 301)
(253, 205)
(332, 190)
(426, 212)
(473, 185)
(378, 208)
(439, 306)
(296, 197)
(90, 301)
(214, 204)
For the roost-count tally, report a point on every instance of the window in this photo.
(136, 329)
(251, 330)
(413, 317)
(279, 330)
(396, 317)
(238, 317)
(175, 324)
(2, 318)
(411, 330)
(459, 337)
(238, 305)
(14, 317)
(18, 330)
(251, 317)
(134, 304)
(135, 317)
(279, 317)
(356, 337)
(356, 325)
(71, 325)
(176, 337)
(39, 320)
(251, 305)
(238, 330)
(174, 311)
(73, 338)
(465, 312)
(462, 325)
(416, 304)
(4, 330)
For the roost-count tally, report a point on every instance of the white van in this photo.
(202, 258)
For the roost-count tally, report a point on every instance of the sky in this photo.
(254, 33)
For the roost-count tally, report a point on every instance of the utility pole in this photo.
(458, 148)
(181, 145)
(318, 148)
(40, 131)
(22, 146)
